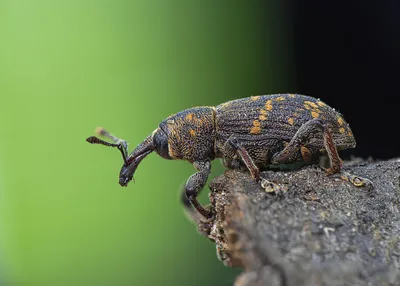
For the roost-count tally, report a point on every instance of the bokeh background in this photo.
(67, 67)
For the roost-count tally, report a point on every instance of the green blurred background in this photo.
(67, 67)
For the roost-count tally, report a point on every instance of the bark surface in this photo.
(317, 230)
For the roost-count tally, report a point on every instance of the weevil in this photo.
(250, 133)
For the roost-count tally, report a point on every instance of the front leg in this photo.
(195, 183)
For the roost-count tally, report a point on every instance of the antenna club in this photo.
(91, 139)
(100, 131)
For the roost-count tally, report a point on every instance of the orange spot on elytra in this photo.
(342, 130)
(192, 132)
(291, 120)
(320, 103)
(254, 98)
(268, 105)
(310, 103)
(314, 114)
(292, 95)
(350, 134)
(340, 121)
(189, 116)
(256, 129)
(281, 98)
(263, 115)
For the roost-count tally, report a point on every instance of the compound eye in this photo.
(160, 141)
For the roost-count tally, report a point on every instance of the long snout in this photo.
(127, 171)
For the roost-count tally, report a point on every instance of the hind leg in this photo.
(307, 132)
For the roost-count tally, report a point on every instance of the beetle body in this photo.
(263, 124)
(251, 132)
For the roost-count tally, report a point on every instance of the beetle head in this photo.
(131, 161)
(157, 141)
(160, 143)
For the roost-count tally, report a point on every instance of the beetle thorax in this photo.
(191, 134)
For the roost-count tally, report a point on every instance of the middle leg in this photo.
(234, 148)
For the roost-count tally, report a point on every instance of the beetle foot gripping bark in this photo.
(356, 180)
(270, 187)
(336, 164)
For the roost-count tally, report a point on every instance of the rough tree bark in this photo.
(318, 230)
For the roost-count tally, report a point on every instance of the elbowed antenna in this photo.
(119, 143)
(131, 161)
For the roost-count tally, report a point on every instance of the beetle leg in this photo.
(355, 180)
(229, 155)
(333, 155)
(269, 186)
(119, 143)
(308, 131)
(336, 164)
(232, 147)
(195, 183)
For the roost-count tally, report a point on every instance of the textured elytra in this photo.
(284, 114)
(266, 123)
